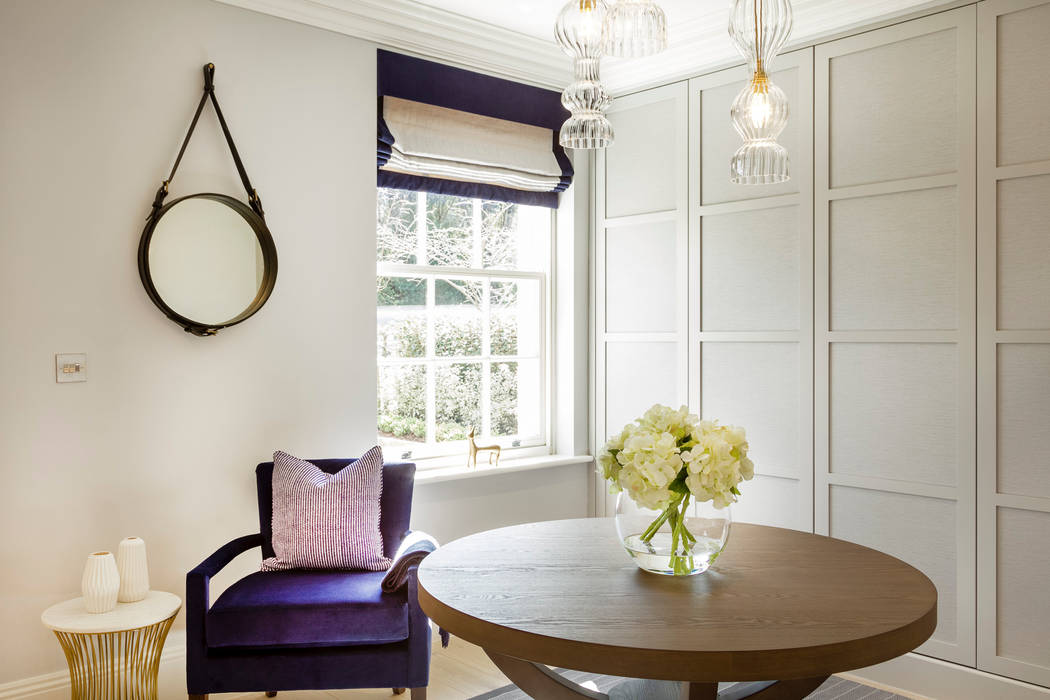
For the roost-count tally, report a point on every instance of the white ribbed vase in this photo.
(101, 583)
(131, 565)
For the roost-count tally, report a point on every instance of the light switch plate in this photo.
(70, 368)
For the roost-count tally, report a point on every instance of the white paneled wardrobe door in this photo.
(751, 293)
(1014, 339)
(641, 263)
(895, 288)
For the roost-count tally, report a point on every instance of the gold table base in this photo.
(115, 665)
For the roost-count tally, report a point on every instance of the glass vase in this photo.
(683, 540)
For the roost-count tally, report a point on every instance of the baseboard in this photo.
(58, 681)
(36, 685)
(917, 675)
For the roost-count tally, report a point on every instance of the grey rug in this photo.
(833, 689)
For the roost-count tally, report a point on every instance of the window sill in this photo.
(437, 475)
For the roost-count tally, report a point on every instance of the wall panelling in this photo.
(751, 293)
(894, 303)
(1013, 336)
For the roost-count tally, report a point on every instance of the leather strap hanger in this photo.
(209, 93)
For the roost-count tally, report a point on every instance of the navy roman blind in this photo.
(452, 131)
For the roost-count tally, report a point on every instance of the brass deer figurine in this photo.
(472, 457)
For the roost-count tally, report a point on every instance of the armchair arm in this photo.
(224, 555)
(197, 581)
(414, 548)
(403, 574)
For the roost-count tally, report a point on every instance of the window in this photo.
(461, 315)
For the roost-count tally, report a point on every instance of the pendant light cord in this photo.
(758, 40)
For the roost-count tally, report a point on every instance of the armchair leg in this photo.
(198, 697)
(398, 691)
(419, 693)
(271, 693)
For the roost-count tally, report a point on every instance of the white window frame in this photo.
(442, 454)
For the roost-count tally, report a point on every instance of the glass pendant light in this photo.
(580, 31)
(759, 29)
(635, 28)
(760, 113)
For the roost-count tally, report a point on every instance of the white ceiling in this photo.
(515, 37)
(532, 17)
(536, 17)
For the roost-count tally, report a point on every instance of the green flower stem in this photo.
(680, 535)
(685, 531)
(677, 562)
(681, 538)
(656, 525)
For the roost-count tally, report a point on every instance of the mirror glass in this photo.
(205, 261)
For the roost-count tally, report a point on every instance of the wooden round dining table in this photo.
(776, 614)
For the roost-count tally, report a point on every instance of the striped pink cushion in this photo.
(327, 521)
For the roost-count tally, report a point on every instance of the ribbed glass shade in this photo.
(580, 28)
(759, 29)
(587, 99)
(635, 28)
(759, 163)
(581, 32)
(586, 130)
(759, 113)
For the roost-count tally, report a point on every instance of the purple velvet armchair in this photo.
(310, 630)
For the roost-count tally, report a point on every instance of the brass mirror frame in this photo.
(262, 235)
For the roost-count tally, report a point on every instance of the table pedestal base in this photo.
(115, 665)
(539, 681)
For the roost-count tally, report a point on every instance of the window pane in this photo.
(514, 236)
(516, 398)
(458, 400)
(499, 235)
(450, 230)
(401, 291)
(515, 317)
(401, 321)
(457, 318)
(504, 400)
(396, 238)
(402, 405)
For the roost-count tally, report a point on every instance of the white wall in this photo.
(162, 440)
(451, 509)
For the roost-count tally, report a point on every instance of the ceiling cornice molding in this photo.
(703, 45)
(699, 44)
(430, 32)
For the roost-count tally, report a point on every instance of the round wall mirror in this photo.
(207, 261)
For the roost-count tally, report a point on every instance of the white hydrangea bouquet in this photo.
(664, 461)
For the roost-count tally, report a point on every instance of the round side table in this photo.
(115, 654)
